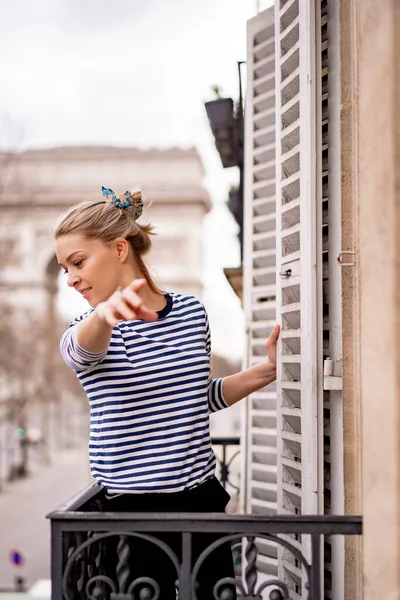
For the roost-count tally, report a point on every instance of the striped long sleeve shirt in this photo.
(150, 395)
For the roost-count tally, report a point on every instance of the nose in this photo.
(72, 279)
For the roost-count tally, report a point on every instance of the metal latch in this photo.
(333, 374)
(341, 256)
(287, 273)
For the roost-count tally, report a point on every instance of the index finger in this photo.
(146, 314)
(137, 284)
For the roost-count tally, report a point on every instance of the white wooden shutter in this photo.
(260, 271)
(299, 285)
(329, 194)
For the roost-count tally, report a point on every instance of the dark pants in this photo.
(147, 560)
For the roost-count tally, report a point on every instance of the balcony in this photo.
(81, 534)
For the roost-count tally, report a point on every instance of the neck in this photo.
(153, 300)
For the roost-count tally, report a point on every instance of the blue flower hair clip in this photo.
(125, 201)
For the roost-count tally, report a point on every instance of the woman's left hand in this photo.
(239, 386)
(271, 346)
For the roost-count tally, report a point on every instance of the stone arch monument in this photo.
(39, 184)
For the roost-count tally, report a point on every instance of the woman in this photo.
(143, 359)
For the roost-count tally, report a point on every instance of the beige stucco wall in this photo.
(370, 165)
(379, 300)
(352, 430)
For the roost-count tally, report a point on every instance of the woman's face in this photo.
(92, 266)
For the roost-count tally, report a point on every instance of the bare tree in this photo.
(22, 378)
(33, 377)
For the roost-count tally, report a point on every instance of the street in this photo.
(23, 508)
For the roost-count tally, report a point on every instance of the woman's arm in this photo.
(93, 334)
(239, 386)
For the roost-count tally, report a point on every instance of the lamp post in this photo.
(240, 150)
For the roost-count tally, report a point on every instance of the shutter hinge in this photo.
(332, 374)
(341, 256)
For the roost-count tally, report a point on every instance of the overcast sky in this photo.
(131, 73)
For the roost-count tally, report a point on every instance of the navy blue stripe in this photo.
(151, 486)
(169, 416)
(132, 368)
(155, 463)
(126, 437)
(112, 416)
(162, 435)
(133, 376)
(157, 472)
(152, 331)
(173, 380)
(93, 396)
(100, 450)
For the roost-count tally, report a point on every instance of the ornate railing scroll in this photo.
(98, 585)
(224, 462)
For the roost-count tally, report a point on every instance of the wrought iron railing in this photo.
(80, 533)
(225, 462)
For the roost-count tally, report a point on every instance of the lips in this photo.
(84, 290)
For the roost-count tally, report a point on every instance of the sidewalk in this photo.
(23, 507)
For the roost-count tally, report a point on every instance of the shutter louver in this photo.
(298, 401)
(260, 271)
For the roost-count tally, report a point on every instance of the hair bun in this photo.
(136, 207)
(130, 201)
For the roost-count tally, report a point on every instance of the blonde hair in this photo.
(104, 221)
